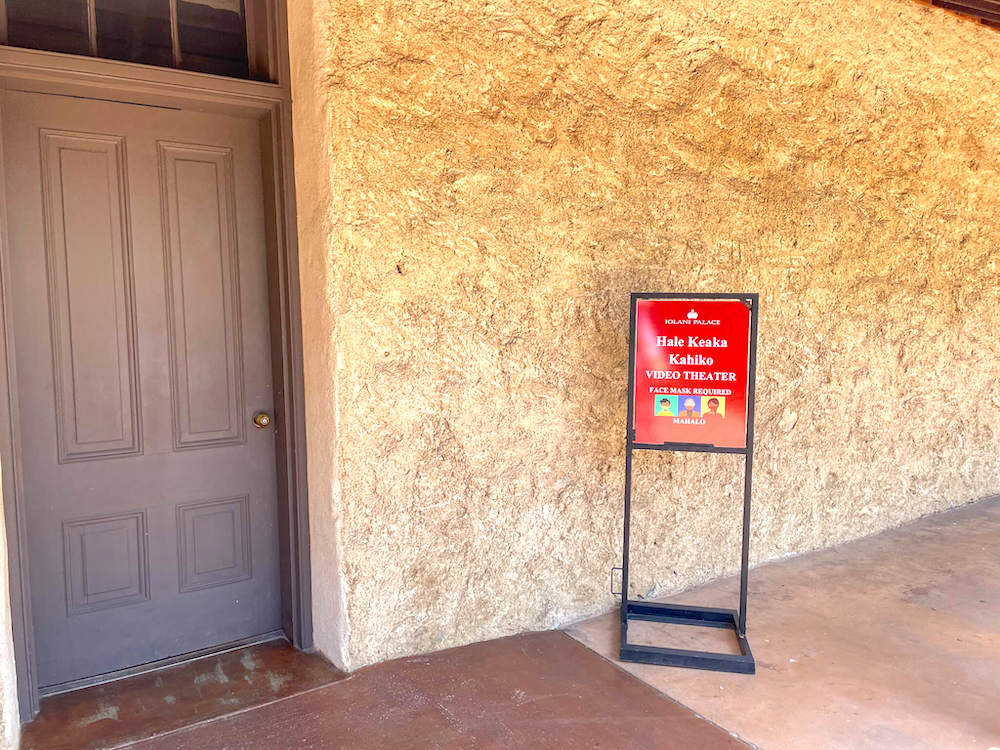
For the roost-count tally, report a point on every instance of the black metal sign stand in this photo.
(686, 614)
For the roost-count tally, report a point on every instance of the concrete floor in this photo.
(889, 642)
(144, 705)
(542, 691)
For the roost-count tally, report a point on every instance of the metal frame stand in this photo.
(711, 617)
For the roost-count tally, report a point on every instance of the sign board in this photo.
(691, 374)
(690, 378)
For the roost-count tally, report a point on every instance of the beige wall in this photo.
(10, 721)
(480, 187)
(314, 203)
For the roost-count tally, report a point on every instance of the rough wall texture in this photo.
(501, 174)
(314, 203)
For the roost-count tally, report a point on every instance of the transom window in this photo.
(208, 36)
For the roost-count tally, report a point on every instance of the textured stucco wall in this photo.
(493, 178)
(314, 204)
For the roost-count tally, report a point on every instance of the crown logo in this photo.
(692, 315)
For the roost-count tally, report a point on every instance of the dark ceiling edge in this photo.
(986, 12)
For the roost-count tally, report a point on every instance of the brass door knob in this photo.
(261, 420)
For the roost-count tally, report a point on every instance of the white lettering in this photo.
(698, 375)
(690, 359)
(697, 343)
(662, 375)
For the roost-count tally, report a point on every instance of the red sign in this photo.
(692, 363)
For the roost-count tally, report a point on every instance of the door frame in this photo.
(270, 104)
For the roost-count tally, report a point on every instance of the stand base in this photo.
(742, 663)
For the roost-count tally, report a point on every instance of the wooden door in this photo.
(140, 319)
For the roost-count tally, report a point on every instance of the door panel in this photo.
(90, 294)
(140, 317)
(203, 317)
(106, 562)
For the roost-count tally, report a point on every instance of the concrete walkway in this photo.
(542, 691)
(889, 642)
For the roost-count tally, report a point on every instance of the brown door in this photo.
(139, 306)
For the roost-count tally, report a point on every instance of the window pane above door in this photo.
(53, 25)
(135, 30)
(207, 36)
(213, 36)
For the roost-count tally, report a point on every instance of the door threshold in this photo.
(153, 666)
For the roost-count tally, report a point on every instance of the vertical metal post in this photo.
(629, 436)
(92, 26)
(745, 556)
(175, 34)
(250, 25)
(748, 475)
(625, 536)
